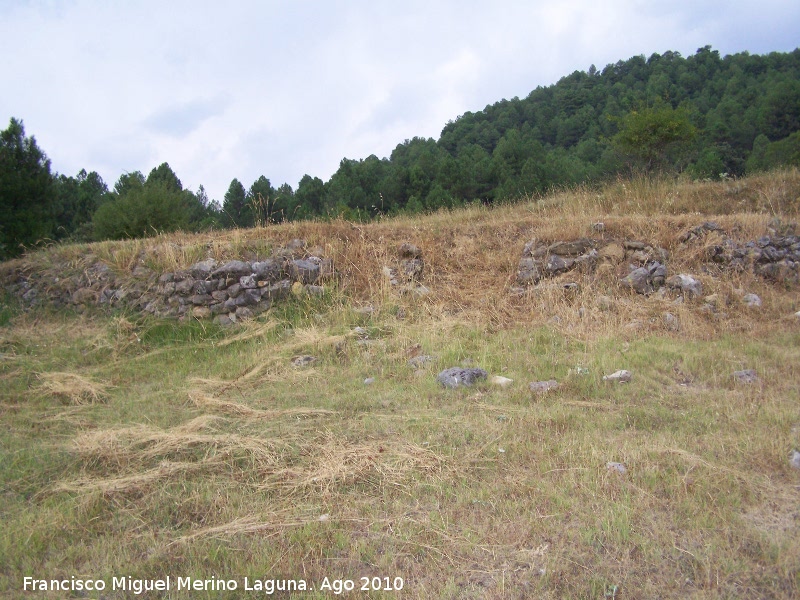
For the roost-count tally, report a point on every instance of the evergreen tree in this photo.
(27, 210)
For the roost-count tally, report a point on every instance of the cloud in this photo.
(181, 119)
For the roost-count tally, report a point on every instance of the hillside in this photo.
(308, 437)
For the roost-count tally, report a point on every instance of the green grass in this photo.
(471, 493)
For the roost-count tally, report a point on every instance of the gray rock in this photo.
(556, 264)
(639, 281)
(203, 269)
(745, 376)
(794, 459)
(542, 387)
(621, 376)
(280, 290)
(242, 312)
(458, 376)
(248, 282)
(752, 300)
(304, 271)
(572, 248)
(203, 287)
(234, 268)
(616, 467)
(528, 271)
(184, 287)
(303, 361)
(686, 284)
(267, 270)
(369, 381)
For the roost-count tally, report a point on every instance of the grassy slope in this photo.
(144, 448)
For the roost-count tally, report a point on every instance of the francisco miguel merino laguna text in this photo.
(139, 586)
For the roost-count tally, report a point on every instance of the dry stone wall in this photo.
(237, 289)
(226, 291)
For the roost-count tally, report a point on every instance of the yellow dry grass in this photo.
(72, 388)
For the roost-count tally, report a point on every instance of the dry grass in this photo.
(72, 388)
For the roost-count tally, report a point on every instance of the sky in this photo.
(240, 89)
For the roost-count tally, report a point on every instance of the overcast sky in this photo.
(284, 88)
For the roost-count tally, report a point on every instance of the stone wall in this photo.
(224, 291)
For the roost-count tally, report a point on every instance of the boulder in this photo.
(203, 269)
(686, 284)
(233, 268)
(457, 376)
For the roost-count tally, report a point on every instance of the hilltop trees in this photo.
(704, 116)
(140, 207)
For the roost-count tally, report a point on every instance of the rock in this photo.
(794, 459)
(621, 376)
(234, 290)
(528, 272)
(745, 376)
(203, 287)
(248, 282)
(369, 381)
(556, 264)
(315, 290)
(752, 300)
(458, 376)
(297, 289)
(202, 299)
(686, 284)
(616, 467)
(571, 248)
(639, 281)
(242, 312)
(303, 360)
(184, 287)
(268, 270)
(501, 381)
(233, 268)
(304, 271)
(203, 269)
(279, 290)
(542, 387)
(598, 227)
